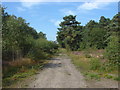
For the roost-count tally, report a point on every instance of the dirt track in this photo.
(59, 73)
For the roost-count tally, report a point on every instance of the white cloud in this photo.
(55, 22)
(95, 4)
(29, 4)
(89, 6)
(26, 5)
(70, 12)
(21, 9)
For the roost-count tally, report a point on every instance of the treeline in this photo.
(97, 35)
(19, 40)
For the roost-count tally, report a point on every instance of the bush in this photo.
(113, 50)
(42, 49)
(37, 54)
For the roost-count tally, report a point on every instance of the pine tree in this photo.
(69, 33)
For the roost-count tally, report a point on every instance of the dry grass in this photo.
(21, 69)
(80, 61)
(22, 62)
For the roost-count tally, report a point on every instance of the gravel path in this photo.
(59, 73)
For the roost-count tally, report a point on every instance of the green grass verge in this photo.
(92, 67)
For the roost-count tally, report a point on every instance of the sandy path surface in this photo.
(59, 73)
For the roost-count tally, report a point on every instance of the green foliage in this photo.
(87, 56)
(17, 37)
(42, 35)
(79, 61)
(18, 76)
(90, 25)
(95, 35)
(106, 67)
(95, 64)
(37, 54)
(114, 26)
(93, 68)
(75, 37)
(69, 33)
(10, 71)
(42, 49)
(91, 75)
(94, 38)
(103, 22)
(21, 40)
(108, 76)
(113, 50)
(117, 78)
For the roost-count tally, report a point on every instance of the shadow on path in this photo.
(55, 63)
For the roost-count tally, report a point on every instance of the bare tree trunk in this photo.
(20, 55)
(17, 55)
(13, 56)
(13, 53)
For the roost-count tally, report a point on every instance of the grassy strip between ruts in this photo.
(92, 67)
(23, 72)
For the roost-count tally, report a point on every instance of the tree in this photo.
(114, 24)
(69, 33)
(103, 22)
(113, 49)
(19, 38)
(90, 25)
(42, 35)
(87, 34)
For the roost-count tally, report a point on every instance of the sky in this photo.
(46, 16)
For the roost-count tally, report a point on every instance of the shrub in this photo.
(42, 49)
(113, 50)
(37, 54)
